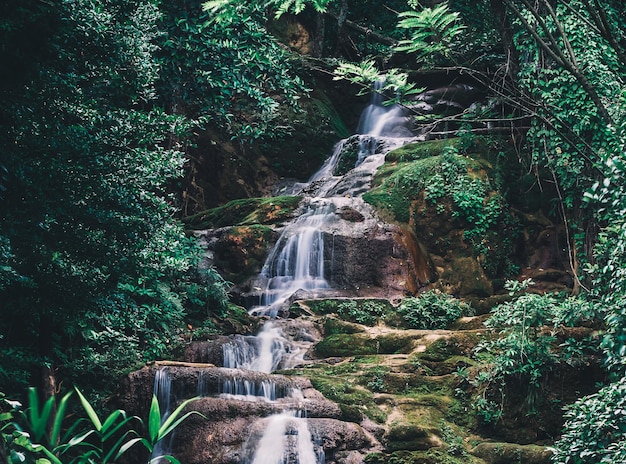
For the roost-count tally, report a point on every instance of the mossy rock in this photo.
(246, 211)
(431, 456)
(457, 207)
(240, 252)
(354, 400)
(345, 345)
(333, 326)
(322, 306)
(468, 278)
(409, 437)
(395, 343)
(512, 453)
(440, 350)
(450, 365)
(421, 150)
(351, 413)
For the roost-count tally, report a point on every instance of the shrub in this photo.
(431, 310)
(595, 428)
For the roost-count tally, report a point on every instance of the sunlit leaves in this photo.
(393, 83)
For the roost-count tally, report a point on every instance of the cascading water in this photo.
(298, 261)
(381, 120)
(262, 353)
(286, 439)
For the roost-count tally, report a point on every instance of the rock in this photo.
(506, 453)
(350, 214)
(411, 438)
(466, 277)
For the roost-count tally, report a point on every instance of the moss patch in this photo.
(420, 150)
(245, 211)
(511, 453)
(346, 345)
(240, 252)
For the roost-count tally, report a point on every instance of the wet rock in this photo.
(350, 214)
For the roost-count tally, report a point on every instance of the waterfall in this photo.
(262, 353)
(297, 261)
(286, 439)
(163, 392)
(383, 120)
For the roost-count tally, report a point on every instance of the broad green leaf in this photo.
(154, 419)
(90, 411)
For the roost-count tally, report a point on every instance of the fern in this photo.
(431, 30)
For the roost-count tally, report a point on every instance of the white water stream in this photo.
(299, 260)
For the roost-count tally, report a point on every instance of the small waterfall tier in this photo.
(285, 438)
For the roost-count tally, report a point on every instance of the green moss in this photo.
(440, 350)
(408, 437)
(432, 456)
(353, 399)
(420, 150)
(367, 311)
(346, 345)
(334, 326)
(430, 183)
(322, 306)
(246, 211)
(395, 343)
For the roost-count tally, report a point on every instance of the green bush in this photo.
(431, 310)
(362, 312)
(524, 350)
(595, 428)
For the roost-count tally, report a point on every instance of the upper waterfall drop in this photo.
(303, 256)
(383, 120)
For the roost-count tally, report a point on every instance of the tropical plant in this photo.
(40, 435)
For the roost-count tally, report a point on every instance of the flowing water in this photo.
(300, 260)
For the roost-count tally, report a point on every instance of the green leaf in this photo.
(55, 432)
(154, 419)
(130, 443)
(173, 421)
(90, 411)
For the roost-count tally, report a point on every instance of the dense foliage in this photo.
(94, 260)
(225, 71)
(97, 103)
